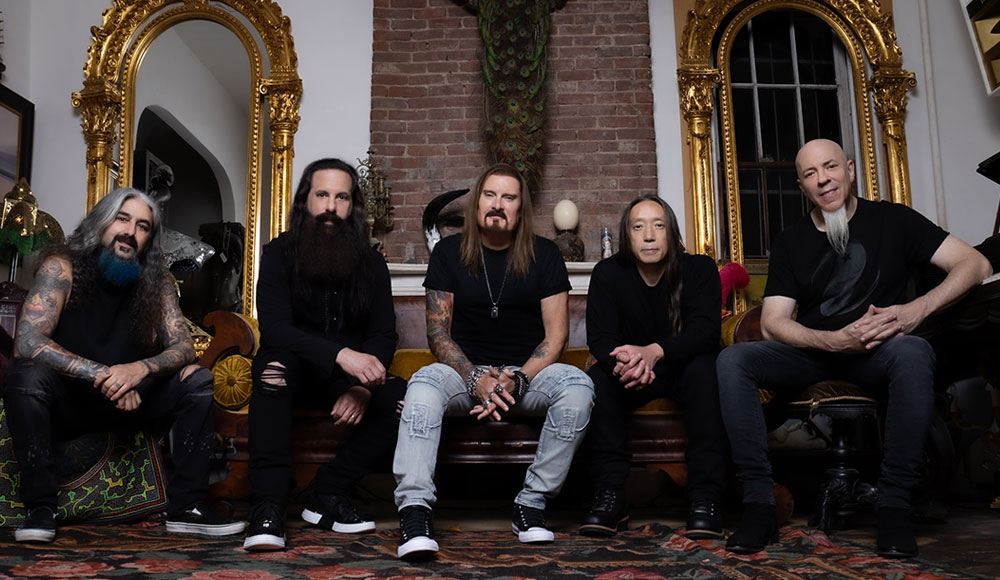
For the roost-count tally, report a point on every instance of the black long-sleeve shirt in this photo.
(317, 331)
(623, 309)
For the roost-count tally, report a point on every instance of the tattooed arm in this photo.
(39, 318)
(440, 305)
(555, 318)
(178, 351)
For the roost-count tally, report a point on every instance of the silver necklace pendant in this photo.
(494, 312)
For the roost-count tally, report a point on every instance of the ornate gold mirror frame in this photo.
(106, 101)
(865, 30)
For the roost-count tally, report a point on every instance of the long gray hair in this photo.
(83, 246)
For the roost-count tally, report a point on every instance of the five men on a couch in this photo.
(497, 321)
(101, 344)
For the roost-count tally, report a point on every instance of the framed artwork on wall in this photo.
(17, 124)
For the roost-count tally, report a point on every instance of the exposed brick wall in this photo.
(427, 105)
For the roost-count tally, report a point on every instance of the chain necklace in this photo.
(495, 311)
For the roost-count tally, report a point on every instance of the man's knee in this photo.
(197, 379)
(909, 350)
(27, 377)
(734, 358)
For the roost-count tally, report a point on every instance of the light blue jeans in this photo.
(563, 393)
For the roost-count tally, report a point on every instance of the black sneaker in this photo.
(267, 528)
(895, 533)
(758, 528)
(199, 520)
(608, 515)
(416, 533)
(337, 513)
(529, 525)
(39, 526)
(704, 520)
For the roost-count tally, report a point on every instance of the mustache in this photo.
(496, 213)
(127, 239)
(328, 217)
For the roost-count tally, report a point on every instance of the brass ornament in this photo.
(127, 30)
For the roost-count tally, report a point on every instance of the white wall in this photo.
(205, 112)
(45, 49)
(333, 41)
(666, 107)
(968, 121)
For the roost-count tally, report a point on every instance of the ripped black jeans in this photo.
(42, 407)
(276, 391)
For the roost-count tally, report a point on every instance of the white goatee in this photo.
(837, 230)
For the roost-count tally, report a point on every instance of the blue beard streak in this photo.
(117, 271)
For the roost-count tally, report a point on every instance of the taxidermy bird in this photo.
(434, 219)
(515, 34)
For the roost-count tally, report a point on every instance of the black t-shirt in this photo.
(512, 336)
(888, 242)
(623, 309)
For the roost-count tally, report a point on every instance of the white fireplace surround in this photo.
(408, 279)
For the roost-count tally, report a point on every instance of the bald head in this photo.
(818, 150)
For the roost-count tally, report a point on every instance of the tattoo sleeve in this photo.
(440, 305)
(39, 318)
(178, 346)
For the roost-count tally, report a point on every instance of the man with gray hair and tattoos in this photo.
(497, 321)
(101, 344)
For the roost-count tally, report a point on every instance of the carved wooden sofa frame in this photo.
(656, 432)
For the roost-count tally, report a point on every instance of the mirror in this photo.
(181, 85)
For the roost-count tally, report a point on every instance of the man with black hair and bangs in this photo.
(328, 334)
(102, 344)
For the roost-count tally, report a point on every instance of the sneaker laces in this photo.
(415, 521)
(606, 500)
(265, 511)
(529, 517)
(348, 512)
(703, 506)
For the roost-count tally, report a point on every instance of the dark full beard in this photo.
(330, 253)
(838, 231)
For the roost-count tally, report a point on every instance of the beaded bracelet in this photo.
(521, 383)
(472, 381)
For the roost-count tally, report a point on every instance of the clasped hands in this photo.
(634, 366)
(495, 391)
(117, 382)
(878, 325)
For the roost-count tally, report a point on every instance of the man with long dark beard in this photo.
(328, 333)
(845, 266)
(101, 344)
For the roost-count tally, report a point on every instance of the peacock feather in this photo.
(515, 34)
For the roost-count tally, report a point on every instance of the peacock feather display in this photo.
(515, 34)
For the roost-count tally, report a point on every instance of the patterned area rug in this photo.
(650, 552)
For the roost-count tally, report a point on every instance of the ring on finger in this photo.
(497, 389)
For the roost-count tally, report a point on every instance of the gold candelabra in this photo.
(378, 201)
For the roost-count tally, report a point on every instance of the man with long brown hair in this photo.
(328, 333)
(101, 345)
(497, 320)
(653, 326)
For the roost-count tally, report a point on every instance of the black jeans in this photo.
(693, 385)
(270, 422)
(43, 406)
(906, 363)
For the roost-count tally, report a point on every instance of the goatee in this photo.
(838, 231)
(330, 248)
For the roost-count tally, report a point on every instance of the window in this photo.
(790, 82)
